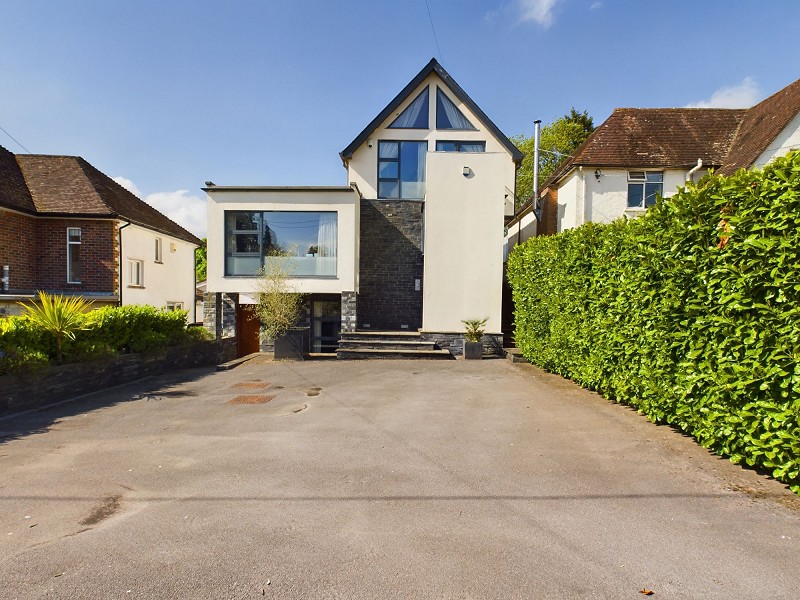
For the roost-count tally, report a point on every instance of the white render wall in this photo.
(583, 198)
(346, 203)
(788, 139)
(524, 229)
(172, 280)
(463, 244)
(363, 166)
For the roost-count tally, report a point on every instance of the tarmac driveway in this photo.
(383, 479)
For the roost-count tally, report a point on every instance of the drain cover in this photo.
(250, 399)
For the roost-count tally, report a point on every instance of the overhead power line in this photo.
(16, 140)
(436, 39)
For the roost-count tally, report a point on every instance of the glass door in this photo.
(326, 324)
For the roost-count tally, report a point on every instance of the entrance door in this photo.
(247, 329)
(326, 325)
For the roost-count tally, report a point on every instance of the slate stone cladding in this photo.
(348, 312)
(390, 262)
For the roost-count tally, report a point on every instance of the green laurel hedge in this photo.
(691, 314)
(108, 331)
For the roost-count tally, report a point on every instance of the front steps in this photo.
(388, 345)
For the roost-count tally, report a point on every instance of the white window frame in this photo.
(174, 305)
(159, 250)
(70, 245)
(641, 178)
(135, 273)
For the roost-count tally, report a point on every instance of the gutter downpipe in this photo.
(694, 169)
(119, 237)
(537, 138)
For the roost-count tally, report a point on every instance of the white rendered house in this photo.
(418, 229)
(638, 154)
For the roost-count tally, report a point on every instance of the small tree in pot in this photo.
(473, 334)
(279, 308)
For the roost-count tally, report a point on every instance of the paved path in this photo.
(451, 479)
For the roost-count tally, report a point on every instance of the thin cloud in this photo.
(128, 185)
(538, 11)
(186, 210)
(742, 95)
(596, 5)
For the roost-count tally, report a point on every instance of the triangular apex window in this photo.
(415, 116)
(447, 114)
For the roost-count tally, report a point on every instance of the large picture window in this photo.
(304, 242)
(401, 169)
(644, 187)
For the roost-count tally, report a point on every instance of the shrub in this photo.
(691, 313)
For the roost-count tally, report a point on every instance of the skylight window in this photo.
(447, 114)
(415, 116)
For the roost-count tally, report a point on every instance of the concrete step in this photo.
(371, 353)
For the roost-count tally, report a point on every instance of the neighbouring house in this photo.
(412, 244)
(67, 228)
(638, 154)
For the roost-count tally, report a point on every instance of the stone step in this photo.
(397, 336)
(364, 354)
(382, 344)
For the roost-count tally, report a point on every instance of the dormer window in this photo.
(415, 116)
(448, 116)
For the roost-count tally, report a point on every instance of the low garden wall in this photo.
(57, 383)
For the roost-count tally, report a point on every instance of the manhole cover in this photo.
(250, 385)
(250, 399)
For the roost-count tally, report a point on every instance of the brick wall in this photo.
(390, 261)
(549, 224)
(18, 250)
(98, 255)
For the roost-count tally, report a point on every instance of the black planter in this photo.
(473, 350)
(292, 345)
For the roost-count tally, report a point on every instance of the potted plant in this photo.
(473, 334)
(279, 309)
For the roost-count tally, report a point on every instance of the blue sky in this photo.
(169, 94)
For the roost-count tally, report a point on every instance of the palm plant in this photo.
(61, 316)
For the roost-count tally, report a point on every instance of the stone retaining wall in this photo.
(54, 384)
(454, 342)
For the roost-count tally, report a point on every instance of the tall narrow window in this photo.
(415, 116)
(159, 245)
(73, 255)
(447, 114)
(401, 169)
(136, 273)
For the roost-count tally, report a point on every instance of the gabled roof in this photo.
(68, 186)
(760, 126)
(432, 67)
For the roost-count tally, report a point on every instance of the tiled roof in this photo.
(659, 138)
(760, 126)
(69, 186)
(13, 191)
